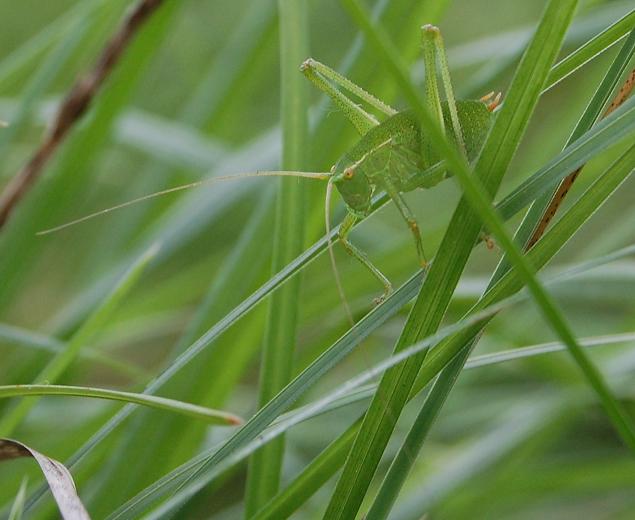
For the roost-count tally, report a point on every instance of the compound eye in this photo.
(348, 173)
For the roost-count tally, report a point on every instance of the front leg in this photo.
(409, 217)
(345, 228)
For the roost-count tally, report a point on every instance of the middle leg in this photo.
(345, 228)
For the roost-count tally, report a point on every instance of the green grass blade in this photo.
(445, 271)
(161, 403)
(619, 126)
(313, 477)
(417, 435)
(301, 384)
(328, 462)
(277, 358)
(596, 45)
(478, 197)
(539, 255)
(207, 464)
(505, 356)
(85, 334)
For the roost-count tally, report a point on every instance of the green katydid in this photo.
(392, 156)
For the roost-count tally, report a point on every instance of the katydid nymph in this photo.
(393, 155)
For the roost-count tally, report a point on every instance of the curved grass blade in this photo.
(162, 403)
(505, 356)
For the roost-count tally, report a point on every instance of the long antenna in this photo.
(336, 273)
(220, 178)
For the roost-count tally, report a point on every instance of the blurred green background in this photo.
(198, 93)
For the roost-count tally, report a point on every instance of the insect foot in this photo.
(380, 299)
(490, 243)
(307, 64)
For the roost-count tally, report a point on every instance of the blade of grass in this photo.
(481, 80)
(403, 461)
(212, 333)
(162, 403)
(265, 466)
(173, 480)
(505, 356)
(85, 334)
(596, 45)
(303, 382)
(182, 478)
(323, 467)
(541, 253)
(454, 251)
(269, 413)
